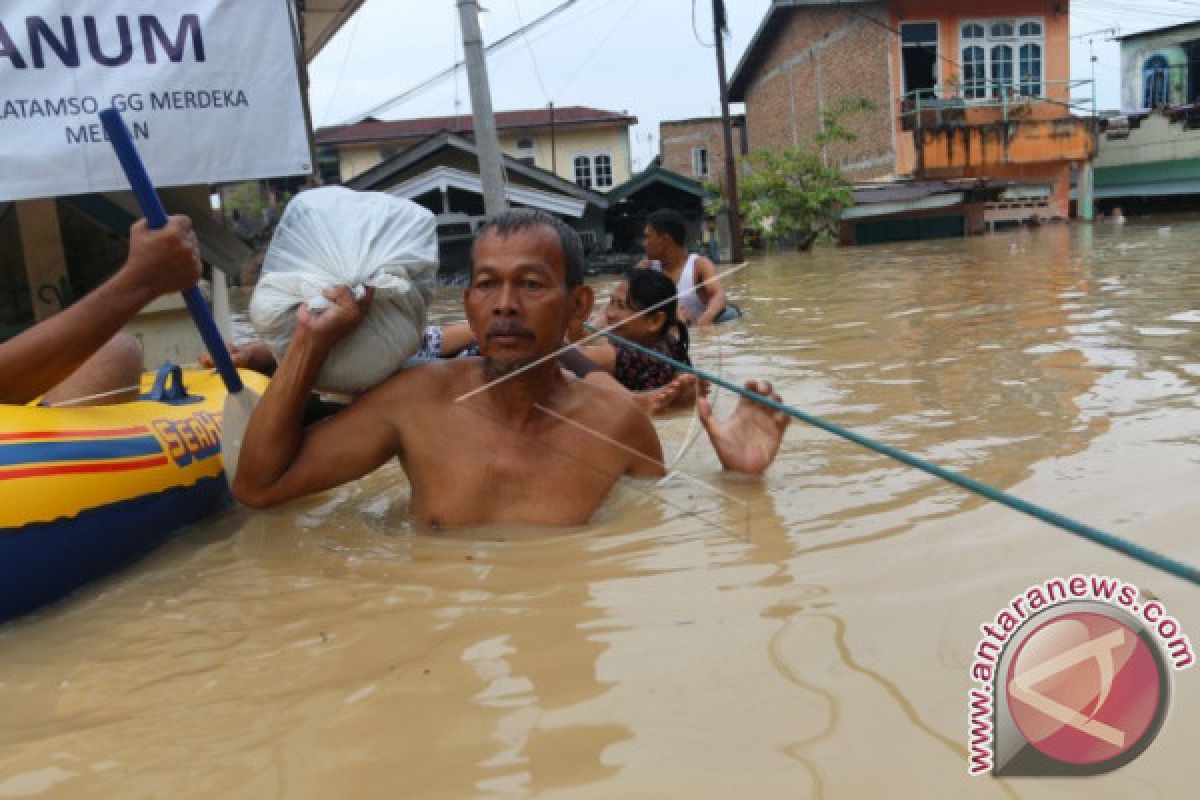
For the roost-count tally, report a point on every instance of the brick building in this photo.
(695, 148)
(975, 91)
(805, 57)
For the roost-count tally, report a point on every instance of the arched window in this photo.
(974, 73)
(1002, 70)
(1001, 57)
(1156, 82)
(1031, 70)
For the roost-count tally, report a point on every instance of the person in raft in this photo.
(504, 437)
(80, 353)
(701, 296)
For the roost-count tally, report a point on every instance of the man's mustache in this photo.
(508, 329)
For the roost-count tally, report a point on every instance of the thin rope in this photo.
(1134, 550)
(637, 453)
(87, 398)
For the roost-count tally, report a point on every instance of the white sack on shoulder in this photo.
(331, 236)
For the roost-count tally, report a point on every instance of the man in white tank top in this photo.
(666, 251)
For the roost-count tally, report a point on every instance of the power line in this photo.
(599, 44)
(494, 46)
(696, 31)
(533, 58)
(337, 84)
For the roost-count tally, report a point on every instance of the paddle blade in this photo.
(234, 419)
(221, 312)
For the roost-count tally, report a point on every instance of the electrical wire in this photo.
(533, 58)
(337, 84)
(696, 31)
(500, 43)
(599, 44)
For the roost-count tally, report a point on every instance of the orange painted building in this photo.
(983, 90)
(965, 89)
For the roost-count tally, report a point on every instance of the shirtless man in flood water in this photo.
(535, 447)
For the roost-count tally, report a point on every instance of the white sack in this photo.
(332, 236)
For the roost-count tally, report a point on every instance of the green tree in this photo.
(795, 196)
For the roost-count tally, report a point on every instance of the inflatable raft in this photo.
(85, 490)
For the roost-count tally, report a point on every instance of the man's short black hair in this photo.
(670, 223)
(523, 219)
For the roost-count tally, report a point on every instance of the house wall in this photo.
(821, 55)
(569, 143)
(1056, 60)
(357, 159)
(1051, 166)
(1134, 54)
(678, 139)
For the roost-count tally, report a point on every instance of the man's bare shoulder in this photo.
(706, 266)
(612, 411)
(433, 380)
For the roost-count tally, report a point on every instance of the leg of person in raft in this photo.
(46, 355)
(112, 375)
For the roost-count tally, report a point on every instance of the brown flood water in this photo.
(807, 635)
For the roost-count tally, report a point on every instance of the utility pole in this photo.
(553, 142)
(487, 144)
(731, 186)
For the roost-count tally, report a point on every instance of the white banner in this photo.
(208, 88)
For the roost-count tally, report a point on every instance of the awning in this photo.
(322, 20)
(868, 211)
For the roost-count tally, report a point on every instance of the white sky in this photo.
(639, 56)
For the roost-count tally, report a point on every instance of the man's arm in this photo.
(159, 262)
(639, 435)
(280, 460)
(707, 271)
(456, 337)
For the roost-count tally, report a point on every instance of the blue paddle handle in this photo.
(156, 217)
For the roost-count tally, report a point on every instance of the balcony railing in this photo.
(950, 105)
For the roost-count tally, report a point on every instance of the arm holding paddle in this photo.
(159, 262)
(280, 459)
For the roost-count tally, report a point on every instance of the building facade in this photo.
(1149, 153)
(804, 58)
(695, 148)
(973, 90)
(586, 146)
(1160, 68)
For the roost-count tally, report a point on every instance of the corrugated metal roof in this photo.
(383, 130)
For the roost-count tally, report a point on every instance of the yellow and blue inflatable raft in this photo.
(85, 490)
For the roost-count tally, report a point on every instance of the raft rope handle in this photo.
(1134, 550)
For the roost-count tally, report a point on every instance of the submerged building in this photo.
(1149, 152)
(975, 93)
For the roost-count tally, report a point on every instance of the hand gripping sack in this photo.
(331, 236)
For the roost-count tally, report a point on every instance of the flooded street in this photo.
(806, 635)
